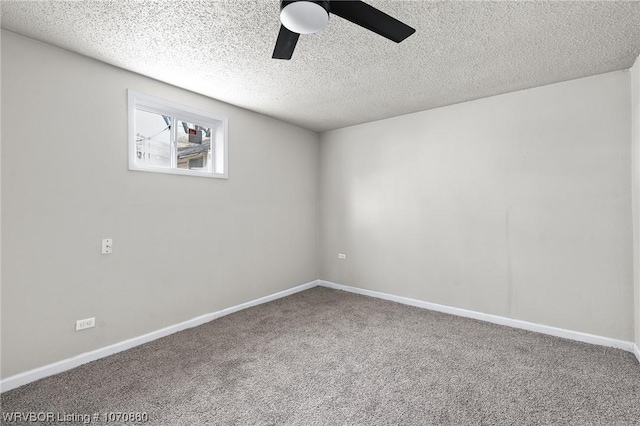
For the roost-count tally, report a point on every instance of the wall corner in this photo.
(635, 188)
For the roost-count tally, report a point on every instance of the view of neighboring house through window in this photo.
(171, 138)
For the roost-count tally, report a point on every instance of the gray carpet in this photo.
(326, 357)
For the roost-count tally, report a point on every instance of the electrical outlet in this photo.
(342, 256)
(85, 323)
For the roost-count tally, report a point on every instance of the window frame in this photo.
(153, 104)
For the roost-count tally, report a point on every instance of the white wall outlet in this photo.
(85, 323)
(107, 246)
(342, 256)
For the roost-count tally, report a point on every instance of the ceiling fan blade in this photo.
(372, 19)
(285, 44)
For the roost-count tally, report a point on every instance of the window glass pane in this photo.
(153, 139)
(172, 138)
(194, 146)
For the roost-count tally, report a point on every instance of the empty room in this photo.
(265, 212)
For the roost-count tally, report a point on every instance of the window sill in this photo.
(183, 172)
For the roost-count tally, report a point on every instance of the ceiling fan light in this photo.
(304, 17)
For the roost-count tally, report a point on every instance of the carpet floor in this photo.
(327, 357)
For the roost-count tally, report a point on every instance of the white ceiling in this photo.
(343, 75)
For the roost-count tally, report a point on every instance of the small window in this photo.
(170, 138)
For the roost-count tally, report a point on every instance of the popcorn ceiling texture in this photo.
(343, 75)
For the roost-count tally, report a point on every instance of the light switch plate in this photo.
(107, 246)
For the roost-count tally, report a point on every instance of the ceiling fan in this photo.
(310, 16)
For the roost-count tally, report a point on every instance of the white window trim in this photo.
(181, 112)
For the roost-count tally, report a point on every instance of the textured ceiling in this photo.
(345, 74)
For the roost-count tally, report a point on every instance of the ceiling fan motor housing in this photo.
(304, 16)
(310, 16)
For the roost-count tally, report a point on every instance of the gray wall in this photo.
(183, 246)
(517, 205)
(635, 143)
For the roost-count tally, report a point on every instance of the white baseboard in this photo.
(75, 361)
(495, 319)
